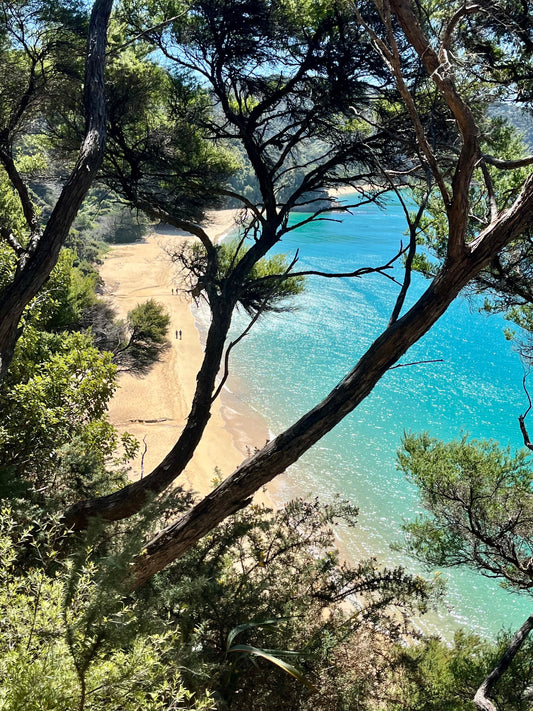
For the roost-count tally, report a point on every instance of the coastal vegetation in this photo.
(136, 594)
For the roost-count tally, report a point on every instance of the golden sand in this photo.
(154, 408)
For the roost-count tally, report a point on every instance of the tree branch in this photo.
(458, 207)
(28, 208)
(508, 164)
(357, 273)
(247, 330)
(30, 278)
(490, 190)
(392, 57)
(521, 418)
(235, 492)
(481, 699)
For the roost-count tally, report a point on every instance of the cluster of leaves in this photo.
(277, 582)
(156, 154)
(479, 500)
(263, 595)
(274, 582)
(55, 435)
(434, 676)
(55, 432)
(266, 287)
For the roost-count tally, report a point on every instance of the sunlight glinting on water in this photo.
(291, 361)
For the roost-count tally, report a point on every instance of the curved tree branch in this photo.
(508, 164)
(521, 418)
(236, 491)
(466, 123)
(34, 273)
(248, 328)
(481, 698)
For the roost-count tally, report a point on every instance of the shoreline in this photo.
(154, 408)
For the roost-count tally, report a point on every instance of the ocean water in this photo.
(290, 361)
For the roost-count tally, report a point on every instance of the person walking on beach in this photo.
(180, 334)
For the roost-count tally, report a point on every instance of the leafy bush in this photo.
(68, 642)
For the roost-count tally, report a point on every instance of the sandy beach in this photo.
(154, 408)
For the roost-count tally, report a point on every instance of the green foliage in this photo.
(144, 338)
(275, 656)
(265, 288)
(284, 79)
(54, 426)
(11, 216)
(159, 160)
(267, 285)
(258, 567)
(69, 642)
(68, 294)
(479, 499)
(433, 676)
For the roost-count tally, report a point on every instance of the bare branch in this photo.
(508, 164)
(452, 24)
(490, 190)
(247, 203)
(12, 241)
(521, 418)
(23, 193)
(147, 31)
(527, 393)
(413, 228)
(441, 76)
(417, 362)
(392, 58)
(357, 273)
(247, 330)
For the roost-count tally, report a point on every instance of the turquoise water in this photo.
(290, 361)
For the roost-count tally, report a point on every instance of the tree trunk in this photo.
(31, 277)
(481, 699)
(130, 499)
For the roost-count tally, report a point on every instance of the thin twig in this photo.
(413, 227)
(521, 418)
(417, 362)
(143, 455)
(246, 331)
(154, 28)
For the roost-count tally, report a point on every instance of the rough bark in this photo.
(235, 492)
(481, 699)
(41, 257)
(440, 71)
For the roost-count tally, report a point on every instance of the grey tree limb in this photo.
(481, 698)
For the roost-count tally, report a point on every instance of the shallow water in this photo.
(290, 361)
